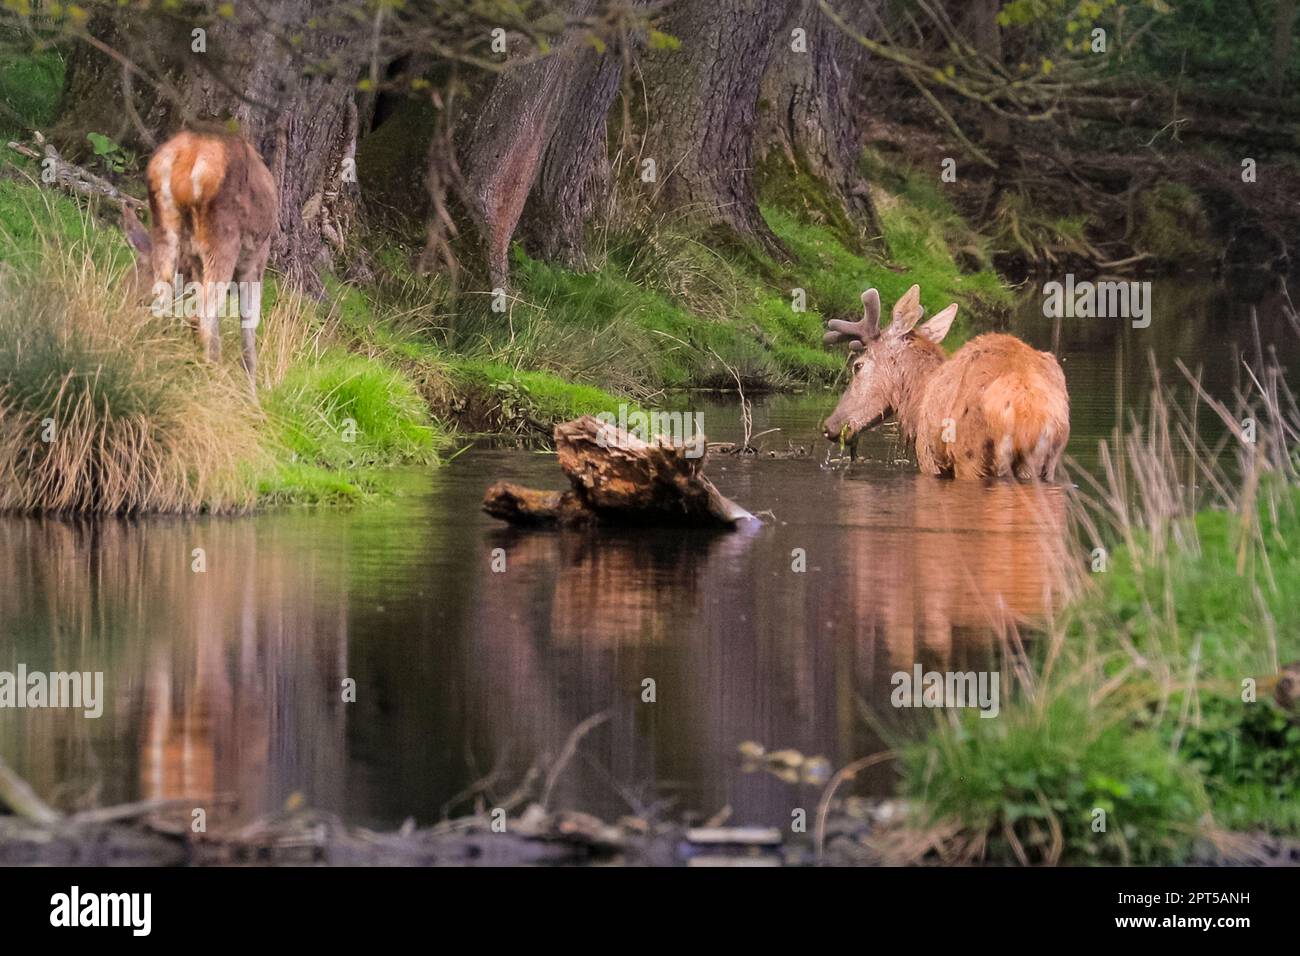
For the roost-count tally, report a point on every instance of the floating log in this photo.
(618, 478)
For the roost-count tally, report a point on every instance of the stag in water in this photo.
(214, 209)
(995, 408)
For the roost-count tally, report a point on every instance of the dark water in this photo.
(229, 682)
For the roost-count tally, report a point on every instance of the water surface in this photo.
(229, 682)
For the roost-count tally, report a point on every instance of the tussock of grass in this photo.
(345, 412)
(142, 424)
(104, 407)
(1033, 787)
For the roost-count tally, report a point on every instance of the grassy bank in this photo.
(1155, 717)
(109, 408)
(379, 372)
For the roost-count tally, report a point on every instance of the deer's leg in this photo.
(1053, 460)
(163, 252)
(218, 270)
(249, 273)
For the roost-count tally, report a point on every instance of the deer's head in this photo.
(888, 367)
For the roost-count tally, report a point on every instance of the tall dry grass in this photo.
(1135, 698)
(104, 407)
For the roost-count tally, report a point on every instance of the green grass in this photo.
(30, 85)
(1215, 606)
(339, 422)
(1113, 794)
(1157, 706)
(1237, 628)
(145, 424)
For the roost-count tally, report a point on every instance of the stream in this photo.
(227, 685)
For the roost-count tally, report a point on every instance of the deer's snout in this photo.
(834, 425)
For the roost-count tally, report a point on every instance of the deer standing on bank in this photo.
(995, 408)
(214, 208)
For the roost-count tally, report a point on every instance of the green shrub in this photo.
(1033, 772)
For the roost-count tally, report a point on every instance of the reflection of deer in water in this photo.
(225, 717)
(928, 560)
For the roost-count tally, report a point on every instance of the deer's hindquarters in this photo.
(215, 207)
(1000, 411)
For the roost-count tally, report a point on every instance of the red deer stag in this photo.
(994, 408)
(214, 207)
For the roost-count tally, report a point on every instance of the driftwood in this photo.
(618, 478)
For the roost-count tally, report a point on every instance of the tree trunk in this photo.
(618, 478)
(1283, 25)
(296, 106)
(574, 176)
(980, 24)
(503, 152)
(703, 99)
(809, 121)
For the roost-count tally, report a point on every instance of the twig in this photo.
(845, 773)
(570, 748)
(18, 795)
(73, 177)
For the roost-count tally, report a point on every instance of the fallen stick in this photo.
(618, 478)
(71, 176)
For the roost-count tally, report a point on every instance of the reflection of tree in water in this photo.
(218, 684)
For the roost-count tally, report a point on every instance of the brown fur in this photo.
(1003, 405)
(215, 208)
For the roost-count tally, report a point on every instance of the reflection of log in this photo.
(520, 505)
(617, 477)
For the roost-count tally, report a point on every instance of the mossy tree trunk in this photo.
(296, 105)
(810, 126)
(703, 112)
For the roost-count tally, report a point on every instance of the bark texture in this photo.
(574, 177)
(703, 111)
(503, 153)
(809, 120)
(296, 105)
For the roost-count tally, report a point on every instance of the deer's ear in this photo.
(907, 312)
(938, 327)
